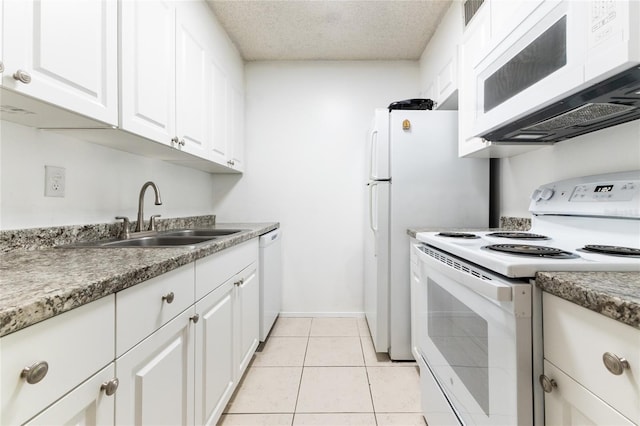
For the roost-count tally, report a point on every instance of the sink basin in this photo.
(202, 232)
(173, 238)
(158, 241)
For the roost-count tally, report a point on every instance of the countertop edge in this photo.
(615, 295)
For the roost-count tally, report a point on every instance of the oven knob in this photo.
(546, 193)
(536, 195)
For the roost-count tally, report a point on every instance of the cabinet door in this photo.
(88, 404)
(475, 39)
(235, 146)
(147, 49)
(247, 313)
(215, 367)
(571, 404)
(156, 377)
(69, 50)
(219, 128)
(192, 79)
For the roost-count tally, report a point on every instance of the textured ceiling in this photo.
(329, 29)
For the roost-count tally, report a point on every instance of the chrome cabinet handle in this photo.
(168, 297)
(547, 384)
(175, 140)
(22, 76)
(231, 163)
(195, 318)
(614, 363)
(182, 142)
(110, 386)
(35, 372)
(239, 282)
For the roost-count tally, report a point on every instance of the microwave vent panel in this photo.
(583, 115)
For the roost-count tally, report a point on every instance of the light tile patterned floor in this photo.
(325, 372)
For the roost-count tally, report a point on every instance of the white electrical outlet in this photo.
(54, 181)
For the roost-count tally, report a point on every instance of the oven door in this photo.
(475, 336)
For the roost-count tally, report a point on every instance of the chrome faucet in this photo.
(141, 207)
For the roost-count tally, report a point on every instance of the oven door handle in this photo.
(482, 284)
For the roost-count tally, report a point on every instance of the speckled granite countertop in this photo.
(507, 223)
(612, 294)
(39, 284)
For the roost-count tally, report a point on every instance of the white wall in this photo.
(609, 150)
(306, 125)
(101, 183)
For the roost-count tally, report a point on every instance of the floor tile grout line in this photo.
(304, 358)
(366, 370)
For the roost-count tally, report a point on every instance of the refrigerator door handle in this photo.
(371, 216)
(373, 149)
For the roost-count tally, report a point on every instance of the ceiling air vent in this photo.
(470, 9)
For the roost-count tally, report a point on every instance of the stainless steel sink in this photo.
(174, 238)
(202, 232)
(158, 241)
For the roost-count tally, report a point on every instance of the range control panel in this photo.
(605, 191)
(611, 195)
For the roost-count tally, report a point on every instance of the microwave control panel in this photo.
(603, 20)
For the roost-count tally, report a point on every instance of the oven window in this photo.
(543, 56)
(461, 337)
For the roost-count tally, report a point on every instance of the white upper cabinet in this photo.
(176, 88)
(147, 67)
(63, 52)
(439, 62)
(193, 76)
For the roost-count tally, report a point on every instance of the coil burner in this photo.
(518, 235)
(613, 250)
(532, 251)
(462, 235)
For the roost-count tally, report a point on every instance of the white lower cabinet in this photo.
(42, 363)
(228, 332)
(170, 350)
(215, 366)
(590, 366)
(157, 375)
(571, 404)
(91, 403)
(247, 316)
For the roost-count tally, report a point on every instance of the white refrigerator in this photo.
(415, 179)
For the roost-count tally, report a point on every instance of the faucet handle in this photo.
(152, 222)
(125, 227)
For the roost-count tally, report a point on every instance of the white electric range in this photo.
(477, 312)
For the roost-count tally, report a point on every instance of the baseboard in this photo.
(322, 314)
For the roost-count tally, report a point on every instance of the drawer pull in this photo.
(22, 76)
(239, 283)
(615, 364)
(35, 372)
(110, 387)
(547, 384)
(195, 318)
(168, 297)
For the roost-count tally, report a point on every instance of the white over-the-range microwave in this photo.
(571, 67)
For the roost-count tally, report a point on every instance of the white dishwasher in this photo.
(270, 280)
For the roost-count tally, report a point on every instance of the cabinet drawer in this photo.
(575, 340)
(144, 308)
(75, 345)
(214, 270)
(88, 404)
(571, 404)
